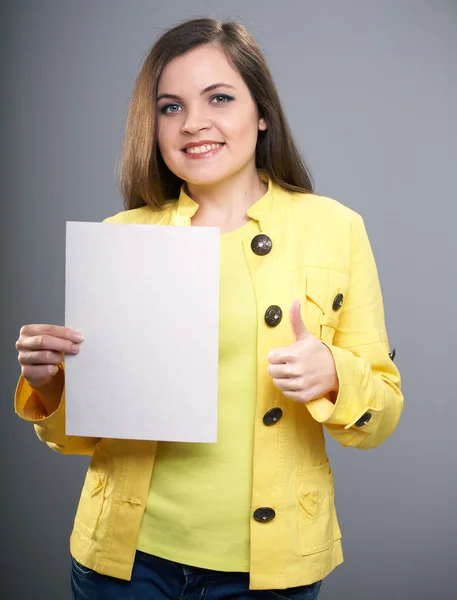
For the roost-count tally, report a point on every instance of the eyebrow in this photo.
(210, 88)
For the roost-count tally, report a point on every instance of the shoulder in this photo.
(323, 207)
(140, 216)
(322, 212)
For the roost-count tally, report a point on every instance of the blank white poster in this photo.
(146, 299)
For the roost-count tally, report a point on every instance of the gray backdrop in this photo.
(370, 88)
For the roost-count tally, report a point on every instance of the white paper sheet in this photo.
(146, 299)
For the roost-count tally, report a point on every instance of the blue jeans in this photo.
(155, 578)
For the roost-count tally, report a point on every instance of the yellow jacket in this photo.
(320, 253)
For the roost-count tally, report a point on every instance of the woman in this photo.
(253, 516)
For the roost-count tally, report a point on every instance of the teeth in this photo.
(201, 149)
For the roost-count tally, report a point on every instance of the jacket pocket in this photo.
(325, 296)
(92, 498)
(316, 517)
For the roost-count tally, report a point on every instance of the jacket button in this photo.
(265, 514)
(338, 302)
(392, 354)
(261, 244)
(272, 416)
(364, 419)
(273, 315)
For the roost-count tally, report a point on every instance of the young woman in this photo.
(303, 346)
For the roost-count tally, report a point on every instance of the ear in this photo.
(262, 124)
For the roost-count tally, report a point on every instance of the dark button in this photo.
(272, 416)
(261, 244)
(392, 354)
(364, 419)
(265, 514)
(273, 315)
(338, 302)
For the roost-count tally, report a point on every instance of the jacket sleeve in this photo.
(369, 402)
(50, 428)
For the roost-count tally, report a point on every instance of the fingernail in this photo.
(77, 337)
(74, 348)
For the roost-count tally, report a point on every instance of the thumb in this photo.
(298, 327)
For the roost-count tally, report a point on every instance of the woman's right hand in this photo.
(41, 349)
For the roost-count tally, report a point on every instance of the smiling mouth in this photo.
(203, 149)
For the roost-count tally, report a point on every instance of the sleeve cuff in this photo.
(350, 408)
(29, 407)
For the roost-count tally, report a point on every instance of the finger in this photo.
(296, 396)
(45, 342)
(51, 330)
(289, 385)
(296, 322)
(305, 394)
(35, 373)
(281, 356)
(40, 357)
(281, 371)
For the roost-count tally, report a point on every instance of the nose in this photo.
(196, 120)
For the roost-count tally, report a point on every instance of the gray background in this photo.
(370, 89)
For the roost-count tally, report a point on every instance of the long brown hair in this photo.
(144, 177)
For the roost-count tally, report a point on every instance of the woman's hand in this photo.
(306, 370)
(41, 348)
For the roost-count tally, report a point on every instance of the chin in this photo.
(208, 176)
(204, 180)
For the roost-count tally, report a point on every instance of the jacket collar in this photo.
(262, 210)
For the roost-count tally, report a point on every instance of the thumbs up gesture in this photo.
(305, 370)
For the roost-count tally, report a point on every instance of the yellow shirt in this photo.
(198, 509)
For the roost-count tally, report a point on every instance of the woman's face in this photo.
(207, 120)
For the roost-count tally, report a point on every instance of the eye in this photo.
(170, 109)
(221, 99)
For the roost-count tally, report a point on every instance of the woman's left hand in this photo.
(305, 370)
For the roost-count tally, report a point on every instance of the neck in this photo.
(227, 201)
